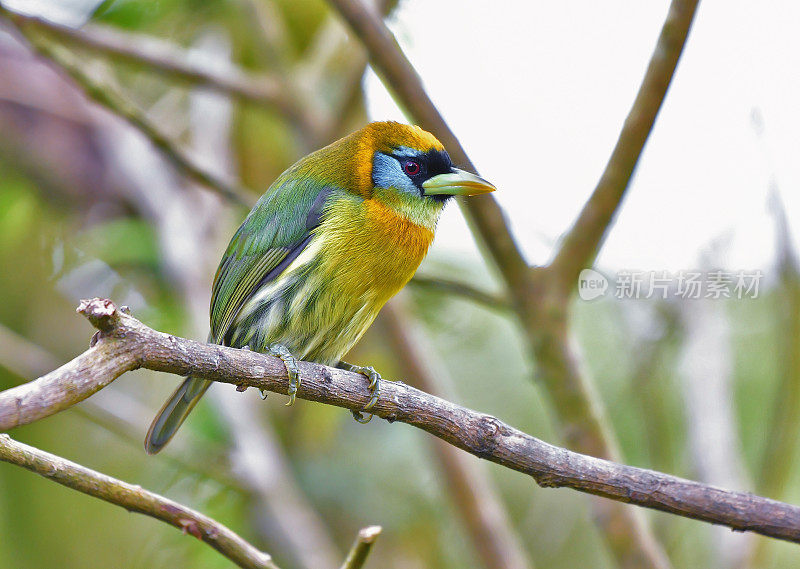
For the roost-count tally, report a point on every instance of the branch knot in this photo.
(101, 312)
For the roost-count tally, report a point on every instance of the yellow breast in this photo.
(372, 249)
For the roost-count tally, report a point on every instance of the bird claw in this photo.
(374, 389)
(282, 352)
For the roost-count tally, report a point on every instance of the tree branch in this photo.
(106, 97)
(581, 243)
(123, 343)
(361, 547)
(464, 290)
(135, 499)
(161, 57)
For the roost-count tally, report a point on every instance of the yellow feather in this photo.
(372, 249)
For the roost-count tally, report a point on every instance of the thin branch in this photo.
(312, 119)
(361, 547)
(161, 57)
(462, 289)
(105, 96)
(135, 499)
(581, 243)
(123, 344)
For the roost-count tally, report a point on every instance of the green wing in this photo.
(273, 234)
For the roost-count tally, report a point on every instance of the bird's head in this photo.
(411, 160)
(399, 158)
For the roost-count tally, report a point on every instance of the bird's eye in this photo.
(411, 167)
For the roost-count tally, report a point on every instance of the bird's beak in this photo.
(457, 183)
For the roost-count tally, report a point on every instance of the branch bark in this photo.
(123, 344)
(135, 499)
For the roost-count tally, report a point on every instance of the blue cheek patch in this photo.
(387, 173)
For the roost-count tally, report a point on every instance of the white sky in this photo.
(538, 91)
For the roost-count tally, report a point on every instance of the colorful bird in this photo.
(336, 236)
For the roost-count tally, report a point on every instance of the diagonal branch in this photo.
(105, 96)
(581, 243)
(463, 290)
(123, 344)
(135, 499)
(161, 57)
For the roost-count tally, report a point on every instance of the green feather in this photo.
(277, 227)
(275, 231)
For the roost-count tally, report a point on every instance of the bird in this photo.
(328, 244)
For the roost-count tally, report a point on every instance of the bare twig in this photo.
(105, 96)
(161, 57)
(123, 344)
(361, 547)
(464, 290)
(581, 243)
(135, 499)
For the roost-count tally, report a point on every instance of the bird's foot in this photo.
(374, 388)
(282, 352)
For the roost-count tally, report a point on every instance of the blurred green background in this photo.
(88, 208)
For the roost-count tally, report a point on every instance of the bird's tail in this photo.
(173, 413)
